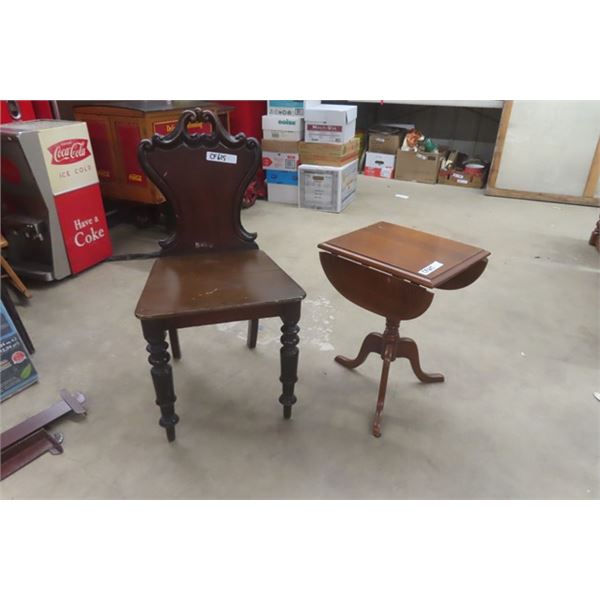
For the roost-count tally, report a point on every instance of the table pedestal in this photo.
(389, 346)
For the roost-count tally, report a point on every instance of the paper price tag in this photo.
(434, 266)
(222, 157)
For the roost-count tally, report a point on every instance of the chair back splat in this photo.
(204, 177)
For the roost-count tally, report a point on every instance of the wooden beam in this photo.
(499, 147)
(594, 174)
(542, 196)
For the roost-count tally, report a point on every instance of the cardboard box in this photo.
(460, 178)
(330, 123)
(280, 155)
(282, 193)
(280, 146)
(292, 108)
(283, 128)
(336, 155)
(385, 140)
(282, 161)
(330, 189)
(379, 165)
(418, 166)
(282, 177)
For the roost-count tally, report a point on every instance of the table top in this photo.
(148, 106)
(422, 258)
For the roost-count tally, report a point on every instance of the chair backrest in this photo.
(204, 176)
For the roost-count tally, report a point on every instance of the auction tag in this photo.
(434, 266)
(222, 157)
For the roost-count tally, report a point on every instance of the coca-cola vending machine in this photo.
(52, 211)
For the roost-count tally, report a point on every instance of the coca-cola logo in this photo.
(69, 151)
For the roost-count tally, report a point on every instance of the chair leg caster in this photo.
(287, 412)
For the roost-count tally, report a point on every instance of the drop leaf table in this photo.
(389, 270)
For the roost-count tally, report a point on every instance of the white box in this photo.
(379, 165)
(327, 188)
(278, 127)
(294, 108)
(284, 194)
(282, 161)
(330, 123)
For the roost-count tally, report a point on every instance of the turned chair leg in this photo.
(289, 360)
(174, 339)
(162, 377)
(252, 333)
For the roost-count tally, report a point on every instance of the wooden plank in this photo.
(41, 419)
(499, 147)
(593, 175)
(542, 196)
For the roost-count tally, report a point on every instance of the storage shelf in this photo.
(464, 103)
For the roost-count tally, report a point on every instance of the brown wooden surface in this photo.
(70, 402)
(10, 273)
(27, 450)
(499, 146)
(142, 116)
(377, 268)
(374, 290)
(196, 283)
(403, 252)
(542, 197)
(206, 195)
(211, 270)
(592, 181)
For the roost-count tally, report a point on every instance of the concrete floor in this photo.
(516, 417)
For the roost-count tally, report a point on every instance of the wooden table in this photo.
(389, 270)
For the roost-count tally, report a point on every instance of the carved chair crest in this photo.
(204, 176)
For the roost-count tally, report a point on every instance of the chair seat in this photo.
(197, 284)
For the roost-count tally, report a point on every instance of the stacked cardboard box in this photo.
(283, 128)
(457, 169)
(384, 142)
(333, 155)
(291, 108)
(329, 157)
(418, 166)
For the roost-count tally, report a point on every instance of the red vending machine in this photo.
(52, 211)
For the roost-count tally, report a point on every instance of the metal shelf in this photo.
(459, 103)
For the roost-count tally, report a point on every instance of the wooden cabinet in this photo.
(116, 129)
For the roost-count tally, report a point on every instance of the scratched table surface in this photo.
(420, 257)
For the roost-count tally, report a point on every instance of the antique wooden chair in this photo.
(211, 270)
